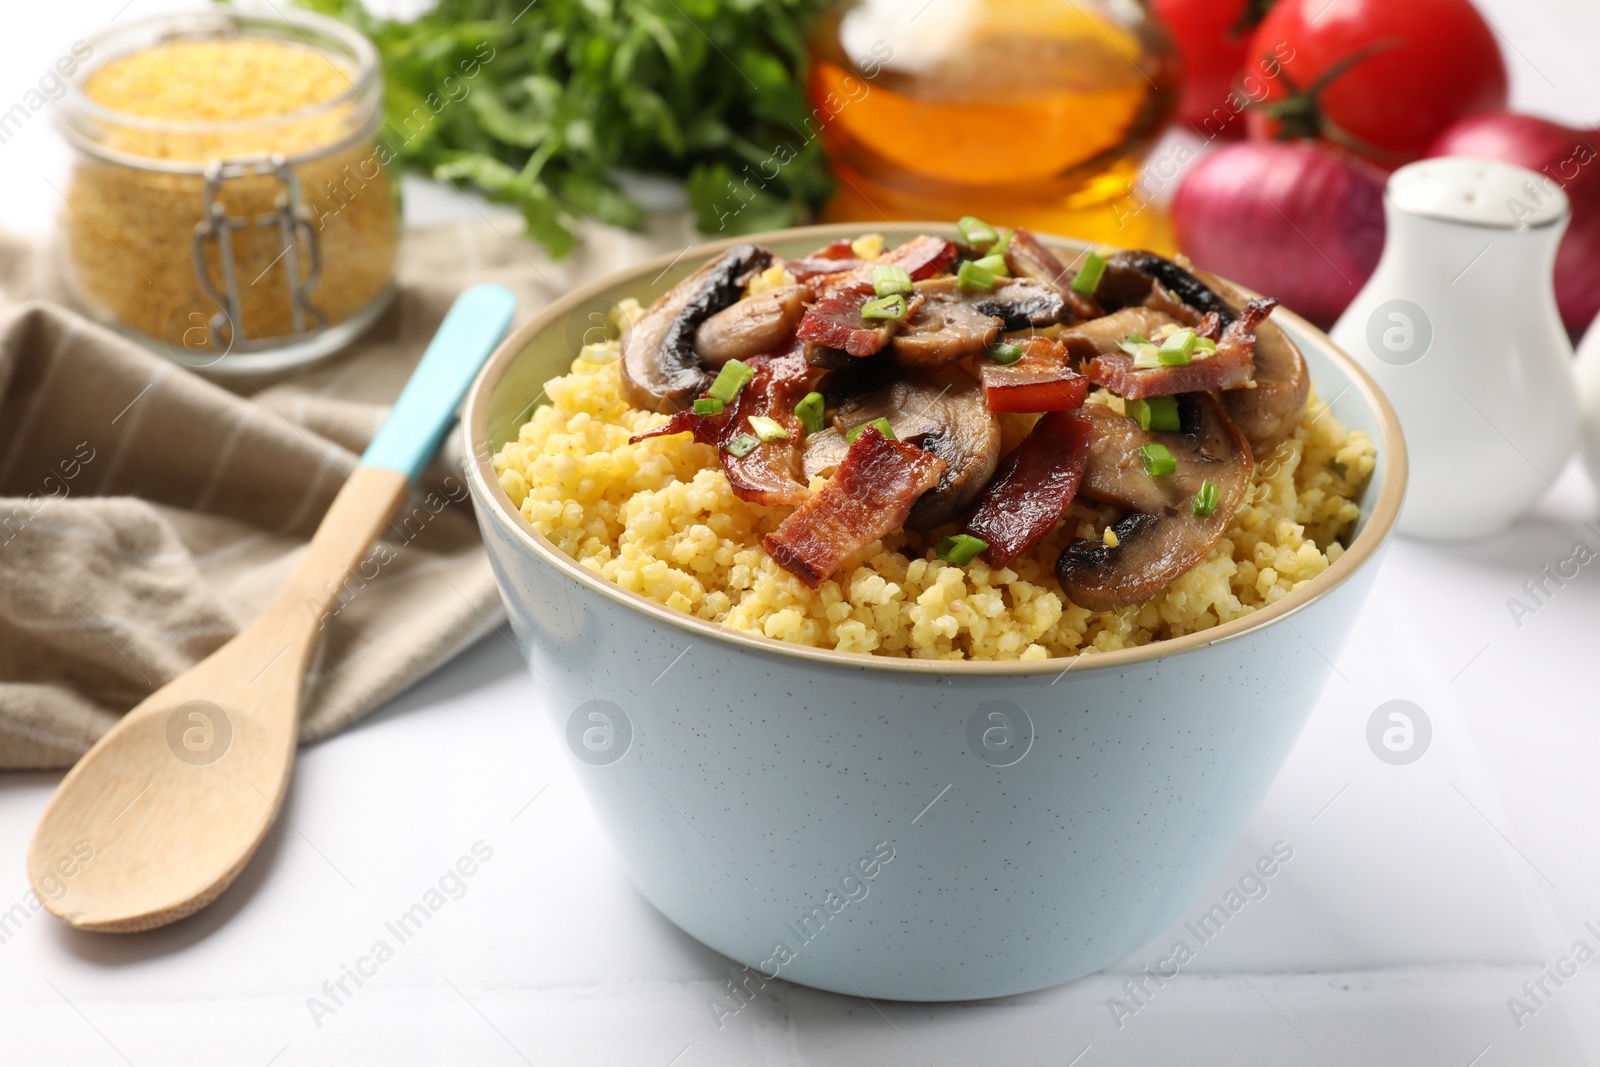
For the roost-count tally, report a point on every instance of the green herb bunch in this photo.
(563, 93)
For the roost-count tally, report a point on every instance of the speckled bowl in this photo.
(895, 828)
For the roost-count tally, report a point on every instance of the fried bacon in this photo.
(1232, 366)
(835, 321)
(768, 473)
(921, 257)
(868, 497)
(1042, 380)
(1027, 258)
(1032, 486)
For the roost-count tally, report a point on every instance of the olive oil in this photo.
(1023, 112)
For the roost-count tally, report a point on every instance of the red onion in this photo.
(1568, 158)
(1296, 221)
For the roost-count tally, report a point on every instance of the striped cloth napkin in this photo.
(146, 514)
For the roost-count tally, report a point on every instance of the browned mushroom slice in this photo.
(954, 322)
(660, 370)
(756, 324)
(940, 410)
(1269, 413)
(1148, 280)
(1103, 336)
(1162, 538)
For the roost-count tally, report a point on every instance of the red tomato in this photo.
(1213, 37)
(1382, 78)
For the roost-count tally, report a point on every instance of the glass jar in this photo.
(245, 231)
(1022, 112)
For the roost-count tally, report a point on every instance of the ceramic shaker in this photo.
(1459, 326)
(1589, 399)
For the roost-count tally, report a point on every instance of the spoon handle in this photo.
(471, 329)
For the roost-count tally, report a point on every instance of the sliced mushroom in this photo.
(1162, 538)
(660, 370)
(1146, 279)
(1269, 413)
(1026, 257)
(954, 322)
(1103, 336)
(751, 326)
(940, 410)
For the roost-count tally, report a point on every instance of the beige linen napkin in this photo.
(146, 514)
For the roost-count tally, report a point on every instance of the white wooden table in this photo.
(1420, 898)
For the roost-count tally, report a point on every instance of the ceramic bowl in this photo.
(894, 828)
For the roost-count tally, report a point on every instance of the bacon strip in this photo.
(1027, 258)
(868, 497)
(922, 257)
(835, 322)
(1033, 486)
(768, 473)
(1233, 366)
(1042, 380)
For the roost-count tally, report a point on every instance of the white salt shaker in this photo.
(1460, 328)
(1589, 398)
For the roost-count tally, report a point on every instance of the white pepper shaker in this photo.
(1460, 328)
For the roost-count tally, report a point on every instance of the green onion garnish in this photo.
(1138, 339)
(809, 411)
(1004, 352)
(891, 307)
(972, 276)
(881, 425)
(1206, 344)
(1156, 413)
(1205, 501)
(1000, 246)
(742, 445)
(1178, 350)
(887, 280)
(1145, 357)
(975, 231)
(1089, 275)
(768, 429)
(730, 379)
(708, 405)
(996, 265)
(1158, 462)
(960, 549)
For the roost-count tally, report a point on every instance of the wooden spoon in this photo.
(161, 815)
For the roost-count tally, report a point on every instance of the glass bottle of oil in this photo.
(1022, 112)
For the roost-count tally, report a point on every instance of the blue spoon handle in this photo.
(471, 330)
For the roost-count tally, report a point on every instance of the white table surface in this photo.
(1420, 898)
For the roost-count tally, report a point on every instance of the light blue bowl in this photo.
(903, 829)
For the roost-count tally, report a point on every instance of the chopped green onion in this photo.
(973, 276)
(708, 405)
(1205, 501)
(975, 231)
(1004, 352)
(1206, 344)
(733, 377)
(1158, 462)
(891, 307)
(1000, 246)
(1089, 275)
(995, 264)
(1138, 339)
(1145, 357)
(888, 279)
(1178, 350)
(768, 429)
(809, 411)
(881, 425)
(742, 445)
(960, 549)
(1156, 413)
